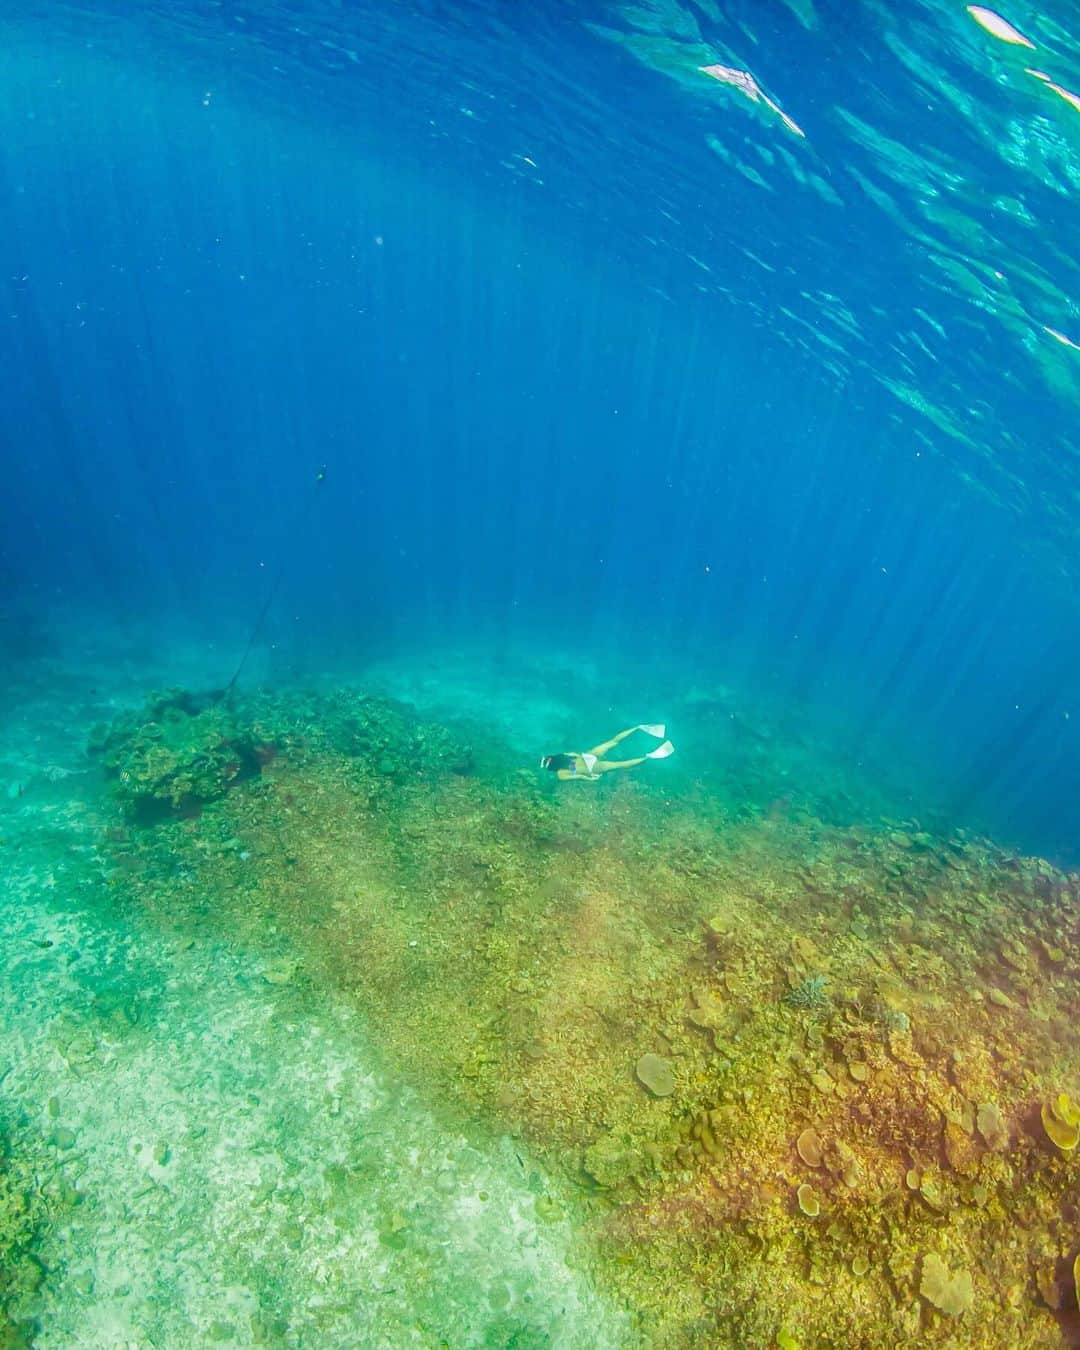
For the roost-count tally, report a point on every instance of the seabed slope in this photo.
(350, 1026)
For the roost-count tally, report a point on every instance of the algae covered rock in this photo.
(16, 1219)
(991, 1126)
(610, 1161)
(708, 1011)
(178, 752)
(22, 1214)
(390, 737)
(960, 1150)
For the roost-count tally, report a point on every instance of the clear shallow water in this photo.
(747, 402)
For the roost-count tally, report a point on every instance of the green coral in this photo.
(810, 994)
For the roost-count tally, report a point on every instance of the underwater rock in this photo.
(1051, 1289)
(1061, 1121)
(960, 1150)
(991, 1126)
(950, 1294)
(707, 1012)
(656, 1074)
(1014, 955)
(610, 1161)
(281, 970)
(902, 1049)
(896, 1019)
(933, 1191)
(805, 949)
(822, 1082)
(548, 1209)
(844, 1162)
(83, 1283)
(79, 1048)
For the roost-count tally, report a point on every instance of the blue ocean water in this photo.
(598, 352)
(576, 362)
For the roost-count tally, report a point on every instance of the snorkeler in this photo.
(590, 764)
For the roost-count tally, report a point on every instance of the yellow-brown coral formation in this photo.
(656, 1074)
(991, 1126)
(808, 1201)
(809, 1147)
(521, 955)
(950, 1293)
(1061, 1121)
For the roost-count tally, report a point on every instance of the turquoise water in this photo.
(396, 394)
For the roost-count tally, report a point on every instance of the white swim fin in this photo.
(661, 751)
(656, 729)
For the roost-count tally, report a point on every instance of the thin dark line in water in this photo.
(275, 585)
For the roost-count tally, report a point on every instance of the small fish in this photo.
(745, 82)
(1066, 94)
(1060, 337)
(997, 26)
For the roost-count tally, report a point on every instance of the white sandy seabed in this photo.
(245, 1175)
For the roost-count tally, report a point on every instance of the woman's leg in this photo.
(600, 750)
(606, 765)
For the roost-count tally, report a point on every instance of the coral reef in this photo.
(30, 1197)
(621, 979)
(176, 754)
(183, 750)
